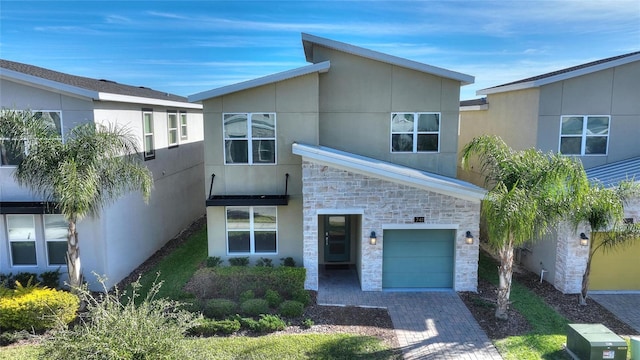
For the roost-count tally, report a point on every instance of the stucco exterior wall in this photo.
(381, 204)
(358, 95)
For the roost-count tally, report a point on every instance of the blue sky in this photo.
(185, 47)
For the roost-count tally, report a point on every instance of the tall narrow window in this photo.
(172, 126)
(584, 135)
(55, 235)
(250, 138)
(147, 123)
(22, 239)
(183, 126)
(415, 132)
(251, 230)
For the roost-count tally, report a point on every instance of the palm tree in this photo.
(603, 210)
(529, 192)
(92, 167)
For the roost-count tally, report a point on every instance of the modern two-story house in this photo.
(33, 236)
(350, 160)
(590, 111)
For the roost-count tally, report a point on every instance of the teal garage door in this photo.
(417, 258)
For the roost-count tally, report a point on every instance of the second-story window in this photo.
(172, 128)
(250, 138)
(147, 123)
(415, 132)
(13, 155)
(584, 135)
(183, 126)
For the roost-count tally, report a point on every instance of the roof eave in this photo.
(309, 40)
(103, 96)
(362, 167)
(46, 84)
(265, 80)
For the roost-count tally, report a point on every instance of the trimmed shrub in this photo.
(219, 308)
(239, 261)
(36, 308)
(271, 323)
(50, 279)
(214, 261)
(209, 327)
(266, 262)
(121, 329)
(288, 261)
(273, 298)
(247, 295)
(24, 278)
(248, 323)
(191, 305)
(291, 308)
(255, 307)
(302, 295)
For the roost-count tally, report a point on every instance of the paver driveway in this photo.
(429, 325)
(625, 307)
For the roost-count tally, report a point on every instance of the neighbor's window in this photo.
(55, 235)
(584, 135)
(10, 155)
(172, 125)
(183, 126)
(251, 230)
(147, 122)
(250, 138)
(22, 239)
(415, 132)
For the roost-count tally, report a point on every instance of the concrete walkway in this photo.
(625, 307)
(429, 325)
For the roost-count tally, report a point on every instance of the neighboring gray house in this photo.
(32, 239)
(350, 160)
(591, 111)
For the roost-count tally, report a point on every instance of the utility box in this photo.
(595, 342)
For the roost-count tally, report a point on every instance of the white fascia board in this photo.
(47, 84)
(387, 171)
(382, 57)
(474, 107)
(147, 101)
(269, 79)
(560, 77)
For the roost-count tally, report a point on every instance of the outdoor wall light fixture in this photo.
(584, 240)
(373, 239)
(468, 238)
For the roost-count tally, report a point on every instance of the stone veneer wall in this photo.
(571, 258)
(384, 202)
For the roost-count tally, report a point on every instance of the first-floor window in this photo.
(251, 230)
(415, 132)
(21, 231)
(55, 235)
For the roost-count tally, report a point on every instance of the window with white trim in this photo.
(249, 138)
(415, 132)
(252, 230)
(584, 134)
(147, 124)
(10, 155)
(56, 229)
(172, 126)
(21, 232)
(183, 126)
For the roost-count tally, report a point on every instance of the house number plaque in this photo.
(418, 219)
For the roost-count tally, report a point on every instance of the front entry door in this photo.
(336, 238)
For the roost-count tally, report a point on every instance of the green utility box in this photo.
(595, 342)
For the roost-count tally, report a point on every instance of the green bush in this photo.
(255, 307)
(121, 329)
(210, 327)
(25, 278)
(301, 295)
(307, 323)
(266, 262)
(36, 308)
(288, 261)
(270, 323)
(219, 308)
(214, 261)
(273, 298)
(291, 308)
(191, 305)
(50, 279)
(239, 261)
(246, 295)
(230, 281)
(10, 337)
(248, 323)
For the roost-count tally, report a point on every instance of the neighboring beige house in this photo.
(350, 160)
(32, 239)
(591, 111)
